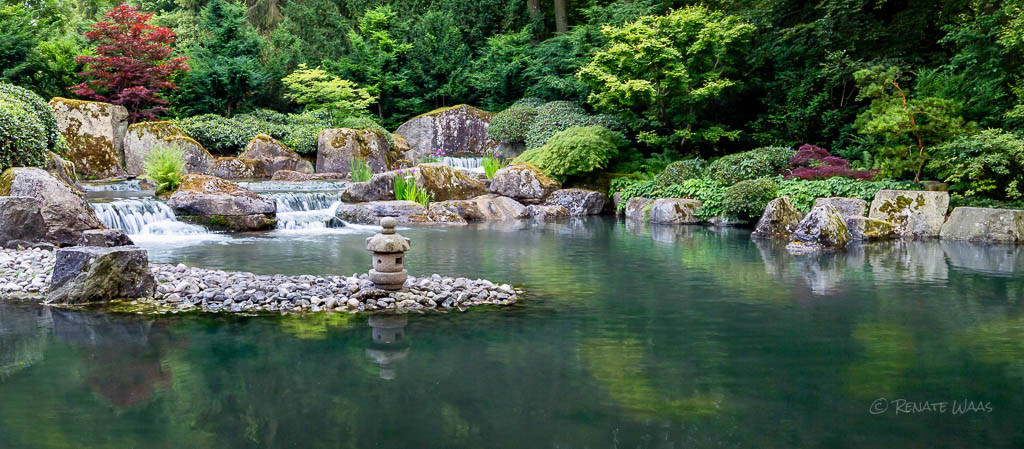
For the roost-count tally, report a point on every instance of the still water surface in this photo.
(631, 337)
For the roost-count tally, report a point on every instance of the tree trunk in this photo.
(533, 6)
(561, 21)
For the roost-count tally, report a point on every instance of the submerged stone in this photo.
(579, 202)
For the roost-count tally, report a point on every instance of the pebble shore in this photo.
(26, 274)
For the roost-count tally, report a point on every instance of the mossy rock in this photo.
(915, 214)
(459, 129)
(95, 134)
(445, 183)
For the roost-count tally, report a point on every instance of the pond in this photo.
(630, 336)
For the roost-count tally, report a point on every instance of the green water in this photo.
(631, 337)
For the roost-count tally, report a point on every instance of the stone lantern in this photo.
(388, 249)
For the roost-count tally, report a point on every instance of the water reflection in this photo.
(990, 259)
(389, 344)
(25, 331)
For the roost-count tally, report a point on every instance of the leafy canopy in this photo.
(316, 89)
(660, 74)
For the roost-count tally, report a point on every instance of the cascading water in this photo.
(141, 217)
(464, 163)
(306, 210)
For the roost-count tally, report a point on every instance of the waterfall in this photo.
(146, 216)
(130, 185)
(306, 210)
(302, 201)
(464, 163)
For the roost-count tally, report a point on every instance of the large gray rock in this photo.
(371, 213)
(459, 129)
(380, 187)
(142, 137)
(984, 225)
(675, 211)
(848, 207)
(106, 238)
(864, 228)
(95, 134)
(84, 274)
(547, 212)
(275, 156)
(239, 168)
(21, 219)
(64, 211)
(916, 214)
(823, 229)
(335, 149)
(454, 212)
(500, 208)
(63, 170)
(779, 220)
(579, 202)
(445, 183)
(222, 205)
(523, 182)
(638, 209)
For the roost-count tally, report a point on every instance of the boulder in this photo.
(294, 176)
(106, 238)
(238, 168)
(380, 187)
(275, 155)
(674, 211)
(864, 228)
(848, 207)
(638, 208)
(445, 183)
(824, 228)
(335, 148)
(779, 220)
(456, 212)
(984, 225)
(458, 129)
(85, 274)
(547, 212)
(371, 213)
(222, 205)
(65, 213)
(21, 220)
(524, 182)
(95, 134)
(916, 214)
(401, 150)
(142, 137)
(500, 208)
(579, 202)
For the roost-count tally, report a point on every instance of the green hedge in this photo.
(718, 200)
(753, 164)
(299, 131)
(28, 129)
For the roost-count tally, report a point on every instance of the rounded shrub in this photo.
(753, 164)
(679, 171)
(747, 199)
(575, 151)
(28, 129)
(512, 124)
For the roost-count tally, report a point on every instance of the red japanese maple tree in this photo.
(133, 63)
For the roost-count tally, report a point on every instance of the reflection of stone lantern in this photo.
(388, 249)
(389, 345)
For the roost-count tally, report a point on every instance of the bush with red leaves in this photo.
(813, 162)
(133, 63)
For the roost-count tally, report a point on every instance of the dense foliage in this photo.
(28, 130)
(895, 88)
(753, 164)
(746, 200)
